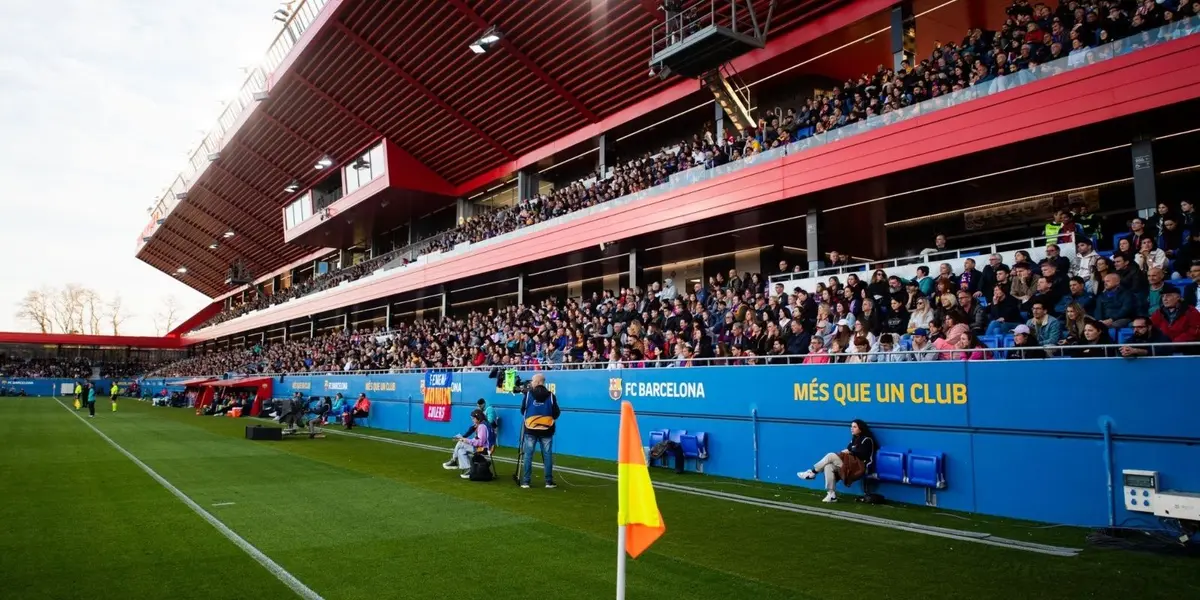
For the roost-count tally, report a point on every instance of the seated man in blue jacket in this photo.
(1115, 305)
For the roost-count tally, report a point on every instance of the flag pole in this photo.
(621, 562)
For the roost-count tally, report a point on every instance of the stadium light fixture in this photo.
(181, 270)
(281, 15)
(324, 163)
(214, 156)
(146, 240)
(486, 41)
(228, 234)
(292, 187)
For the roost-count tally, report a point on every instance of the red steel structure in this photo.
(565, 72)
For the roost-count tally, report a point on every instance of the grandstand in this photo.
(999, 195)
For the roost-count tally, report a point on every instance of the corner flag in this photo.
(638, 519)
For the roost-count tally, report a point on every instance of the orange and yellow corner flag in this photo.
(637, 511)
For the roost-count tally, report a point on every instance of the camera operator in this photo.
(540, 409)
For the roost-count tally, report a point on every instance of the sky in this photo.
(101, 103)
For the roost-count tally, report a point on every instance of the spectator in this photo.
(1004, 313)
(1149, 256)
(1141, 343)
(1190, 296)
(987, 278)
(849, 464)
(1044, 326)
(1115, 305)
(1025, 346)
(1156, 280)
(977, 317)
(1132, 277)
(1175, 319)
(1095, 341)
(1084, 262)
(1077, 294)
(886, 351)
(922, 348)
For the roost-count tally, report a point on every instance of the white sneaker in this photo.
(465, 475)
(524, 486)
(829, 497)
(449, 466)
(550, 486)
(806, 474)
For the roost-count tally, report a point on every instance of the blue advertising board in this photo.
(1012, 432)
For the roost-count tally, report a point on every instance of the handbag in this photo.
(481, 468)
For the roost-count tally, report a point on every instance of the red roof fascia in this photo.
(14, 337)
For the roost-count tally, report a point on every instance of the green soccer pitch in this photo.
(351, 517)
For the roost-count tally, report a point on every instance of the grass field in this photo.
(360, 518)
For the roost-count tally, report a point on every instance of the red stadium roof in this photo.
(396, 69)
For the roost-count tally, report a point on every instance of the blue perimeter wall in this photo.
(1023, 440)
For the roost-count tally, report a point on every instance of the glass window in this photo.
(378, 162)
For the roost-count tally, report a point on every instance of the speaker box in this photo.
(258, 432)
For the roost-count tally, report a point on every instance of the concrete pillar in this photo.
(445, 308)
(520, 289)
(603, 158)
(635, 269)
(720, 118)
(312, 328)
(466, 210)
(388, 315)
(1144, 194)
(904, 38)
(527, 184)
(345, 259)
(812, 240)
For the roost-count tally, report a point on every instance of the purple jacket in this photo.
(481, 439)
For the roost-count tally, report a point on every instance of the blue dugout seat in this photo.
(924, 468)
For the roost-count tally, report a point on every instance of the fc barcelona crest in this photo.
(614, 388)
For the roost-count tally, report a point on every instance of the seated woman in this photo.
(467, 446)
(861, 448)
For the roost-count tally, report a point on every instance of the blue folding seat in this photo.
(675, 434)
(702, 444)
(889, 464)
(991, 341)
(926, 468)
(691, 447)
(1123, 335)
(657, 437)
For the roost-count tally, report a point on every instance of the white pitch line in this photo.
(279, 572)
(954, 534)
(225, 504)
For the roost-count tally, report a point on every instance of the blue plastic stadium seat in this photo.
(657, 437)
(1123, 335)
(675, 434)
(991, 341)
(926, 468)
(702, 444)
(1117, 237)
(1180, 283)
(889, 464)
(691, 447)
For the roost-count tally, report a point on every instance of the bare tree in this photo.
(68, 308)
(92, 307)
(165, 319)
(36, 308)
(115, 314)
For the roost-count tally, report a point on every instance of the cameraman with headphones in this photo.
(539, 407)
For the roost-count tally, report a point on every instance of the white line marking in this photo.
(279, 572)
(954, 534)
(225, 504)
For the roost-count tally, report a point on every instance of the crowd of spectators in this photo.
(1033, 34)
(260, 300)
(1050, 307)
(74, 367)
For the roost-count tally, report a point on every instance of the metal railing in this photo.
(256, 81)
(734, 15)
(1056, 352)
(859, 266)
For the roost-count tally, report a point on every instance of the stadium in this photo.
(713, 297)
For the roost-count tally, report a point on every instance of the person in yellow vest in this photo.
(114, 391)
(78, 391)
